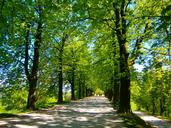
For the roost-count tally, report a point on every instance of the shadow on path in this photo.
(91, 112)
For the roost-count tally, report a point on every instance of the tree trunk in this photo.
(60, 70)
(83, 89)
(31, 96)
(86, 91)
(120, 23)
(32, 77)
(153, 106)
(124, 104)
(162, 106)
(73, 84)
(116, 93)
(73, 76)
(116, 82)
(110, 94)
(79, 89)
(60, 80)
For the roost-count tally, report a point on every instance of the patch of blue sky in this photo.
(139, 67)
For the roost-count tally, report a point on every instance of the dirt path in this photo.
(92, 112)
(156, 122)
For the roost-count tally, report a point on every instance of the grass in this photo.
(50, 104)
(133, 121)
(13, 111)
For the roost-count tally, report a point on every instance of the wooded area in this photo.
(53, 51)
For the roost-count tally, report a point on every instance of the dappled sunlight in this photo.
(95, 110)
(81, 119)
(86, 113)
(3, 122)
(25, 126)
(114, 121)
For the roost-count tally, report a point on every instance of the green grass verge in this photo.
(51, 104)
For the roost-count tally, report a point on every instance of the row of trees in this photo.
(131, 32)
(82, 43)
(43, 49)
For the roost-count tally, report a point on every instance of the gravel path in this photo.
(91, 112)
(156, 122)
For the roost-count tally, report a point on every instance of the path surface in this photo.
(156, 122)
(92, 112)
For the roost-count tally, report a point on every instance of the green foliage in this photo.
(45, 102)
(134, 106)
(14, 98)
(152, 92)
(99, 92)
(91, 52)
(67, 96)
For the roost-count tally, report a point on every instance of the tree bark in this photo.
(116, 91)
(79, 89)
(73, 76)
(120, 23)
(60, 80)
(73, 84)
(115, 78)
(32, 77)
(162, 105)
(153, 106)
(60, 70)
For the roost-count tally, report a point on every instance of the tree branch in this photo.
(136, 51)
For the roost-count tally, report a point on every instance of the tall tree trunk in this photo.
(124, 104)
(73, 84)
(116, 91)
(79, 89)
(32, 77)
(60, 80)
(31, 96)
(86, 91)
(73, 76)
(153, 106)
(60, 70)
(116, 81)
(109, 93)
(120, 23)
(83, 91)
(162, 105)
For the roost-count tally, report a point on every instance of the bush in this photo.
(14, 97)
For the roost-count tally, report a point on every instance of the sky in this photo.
(138, 67)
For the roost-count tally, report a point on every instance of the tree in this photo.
(32, 77)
